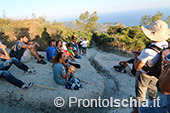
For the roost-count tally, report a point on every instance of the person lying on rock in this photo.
(22, 50)
(64, 75)
(5, 74)
(132, 71)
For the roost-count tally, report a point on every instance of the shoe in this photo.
(41, 56)
(42, 62)
(73, 61)
(33, 72)
(27, 85)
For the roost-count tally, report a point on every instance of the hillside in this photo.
(102, 27)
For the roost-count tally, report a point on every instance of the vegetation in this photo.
(40, 30)
(129, 38)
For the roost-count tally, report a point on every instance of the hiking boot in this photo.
(41, 62)
(27, 85)
(31, 72)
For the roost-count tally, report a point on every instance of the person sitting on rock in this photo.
(51, 50)
(7, 64)
(61, 49)
(64, 75)
(70, 48)
(22, 50)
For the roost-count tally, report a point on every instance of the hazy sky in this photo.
(63, 9)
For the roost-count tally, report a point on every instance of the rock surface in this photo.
(106, 83)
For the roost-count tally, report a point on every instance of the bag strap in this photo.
(17, 46)
(156, 49)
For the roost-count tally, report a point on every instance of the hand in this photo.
(69, 69)
(124, 63)
(166, 62)
(38, 45)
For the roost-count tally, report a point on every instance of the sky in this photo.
(70, 10)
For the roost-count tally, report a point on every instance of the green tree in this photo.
(147, 19)
(87, 22)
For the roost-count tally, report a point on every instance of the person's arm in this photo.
(29, 46)
(4, 54)
(34, 43)
(138, 64)
(68, 71)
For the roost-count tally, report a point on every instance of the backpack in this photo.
(73, 83)
(158, 68)
(18, 53)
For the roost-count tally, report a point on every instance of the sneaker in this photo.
(33, 72)
(27, 85)
(74, 61)
(42, 62)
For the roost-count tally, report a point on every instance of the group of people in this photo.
(57, 53)
(60, 54)
(146, 65)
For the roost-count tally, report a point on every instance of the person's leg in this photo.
(10, 78)
(85, 49)
(152, 89)
(19, 64)
(35, 53)
(141, 85)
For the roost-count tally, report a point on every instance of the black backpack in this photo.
(18, 53)
(158, 68)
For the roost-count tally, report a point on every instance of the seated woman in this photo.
(62, 48)
(63, 76)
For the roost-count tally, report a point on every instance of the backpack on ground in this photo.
(158, 68)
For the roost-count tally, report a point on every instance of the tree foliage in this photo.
(87, 22)
(147, 19)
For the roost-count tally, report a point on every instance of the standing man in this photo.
(80, 45)
(158, 32)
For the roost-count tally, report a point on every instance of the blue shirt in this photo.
(51, 52)
(59, 71)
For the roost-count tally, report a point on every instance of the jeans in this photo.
(84, 49)
(164, 106)
(7, 75)
(8, 63)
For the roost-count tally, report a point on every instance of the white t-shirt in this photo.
(150, 56)
(84, 43)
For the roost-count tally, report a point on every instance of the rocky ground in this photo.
(96, 69)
